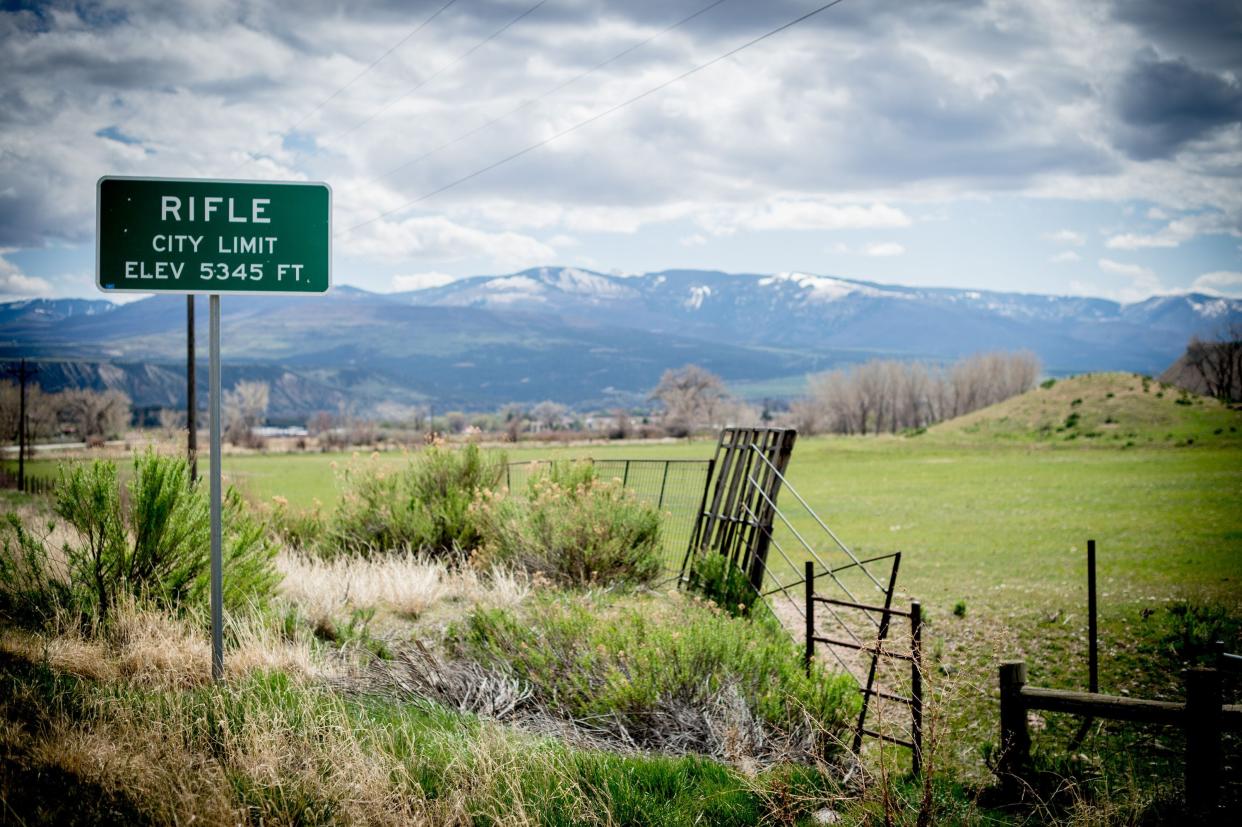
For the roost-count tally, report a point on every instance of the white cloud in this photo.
(884, 249)
(1177, 232)
(13, 282)
(420, 281)
(787, 213)
(1134, 271)
(1143, 282)
(695, 240)
(1221, 283)
(435, 238)
(1069, 237)
(1065, 257)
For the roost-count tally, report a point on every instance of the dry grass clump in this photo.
(404, 583)
(153, 648)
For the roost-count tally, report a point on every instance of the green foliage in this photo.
(716, 578)
(423, 506)
(1186, 631)
(959, 608)
(153, 543)
(572, 528)
(297, 529)
(637, 661)
(1047, 384)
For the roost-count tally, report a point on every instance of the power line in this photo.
(319, 106)
(532, 101)
(599, 115)
(384, 108)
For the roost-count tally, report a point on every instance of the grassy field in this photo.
(992, 513)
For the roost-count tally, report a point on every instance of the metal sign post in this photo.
(160, 235)
(217, 555)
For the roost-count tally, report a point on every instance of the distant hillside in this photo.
(1104, 407)
(595, 340)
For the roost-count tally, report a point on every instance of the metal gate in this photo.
(741, 520)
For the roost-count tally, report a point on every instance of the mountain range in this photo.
(588, 339)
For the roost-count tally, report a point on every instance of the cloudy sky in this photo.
(1036, 145)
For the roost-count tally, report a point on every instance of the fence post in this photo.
(916, 687)
(1093, 646)
(1203, 741)
(809, 582)
(663, 484)
(1015, 739)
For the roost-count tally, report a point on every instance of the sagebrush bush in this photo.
(572, 528)
(149, 539)
(423, 506)
(647, 666)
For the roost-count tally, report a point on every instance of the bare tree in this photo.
(172, 420)
(245, 408)
(889, 395)
(549, 414)
(692, 397)
(96, 414)
(42, 420)
(1218, 363)
(455, 422)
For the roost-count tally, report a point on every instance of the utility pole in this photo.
(24, 373)
(190, 396)
(21, 432)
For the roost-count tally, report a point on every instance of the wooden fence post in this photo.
(809, 581)
(916, 687)
(1203, 741)
(1015, 739)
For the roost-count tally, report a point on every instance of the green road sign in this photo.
(161, 235)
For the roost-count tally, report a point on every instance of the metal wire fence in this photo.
(674, 486)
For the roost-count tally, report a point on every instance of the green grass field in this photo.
(992, 513)
(992, 505)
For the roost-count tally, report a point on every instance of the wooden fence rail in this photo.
(1203, 716)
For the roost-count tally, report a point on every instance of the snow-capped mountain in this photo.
(817, 313)
(590, 338)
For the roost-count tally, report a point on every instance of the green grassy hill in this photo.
(1109, 408)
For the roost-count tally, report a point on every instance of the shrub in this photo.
(658, 671)
(718, 579)
(154, 543)
(424, 506)
(1047, 384)
(959, 608)
(572, 528)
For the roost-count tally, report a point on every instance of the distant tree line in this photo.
(892, 396)
(76, 412)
